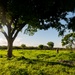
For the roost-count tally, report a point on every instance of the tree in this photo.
(41, 46)
(50, 44)
(33, 15)
(23, 46)
(69, 40)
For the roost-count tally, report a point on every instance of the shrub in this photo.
(50, 44)
(23, 46)
(45, 47)
(16, 47)
(40, 46)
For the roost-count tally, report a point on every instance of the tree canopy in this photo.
(50, 44)
(23, 46)
(36, 13)
(40, 46)
(69, 40)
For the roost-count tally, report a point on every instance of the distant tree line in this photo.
(33, 48)
(49, 46)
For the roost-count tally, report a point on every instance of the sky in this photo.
(40, 37)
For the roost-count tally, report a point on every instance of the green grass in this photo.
(37, 62)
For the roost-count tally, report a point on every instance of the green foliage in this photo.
(19, 72)
(23, 46)
(45, 47)
(38, 62)
(16, 47)
(34, 15)
(50, 44)
(1, 56)
(3, 47)
(41, 46)
(69, 40)
(32, 48)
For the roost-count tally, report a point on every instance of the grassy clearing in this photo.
(37, 62)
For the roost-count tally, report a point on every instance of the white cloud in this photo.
(3, 41)
(17, 42)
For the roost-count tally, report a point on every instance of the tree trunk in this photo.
(10, 45)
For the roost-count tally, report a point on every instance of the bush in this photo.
(16, 47)
(31, 47)
(45, 47)
(50, 44)
(23, 46)
(40, 46)
(3, 47)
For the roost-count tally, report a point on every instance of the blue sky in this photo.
(40, 37)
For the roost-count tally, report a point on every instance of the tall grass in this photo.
(37, 62)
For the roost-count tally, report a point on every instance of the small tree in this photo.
(50, 44)
(41, 46)
(23, 46)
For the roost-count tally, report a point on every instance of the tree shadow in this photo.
(35, 61)
(45, 56)
(1, 56)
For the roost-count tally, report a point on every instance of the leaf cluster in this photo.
(69, 39)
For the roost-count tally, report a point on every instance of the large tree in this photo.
(33, 15)
(69, 40)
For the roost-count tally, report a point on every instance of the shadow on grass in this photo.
(1, 56)
(45, 56)
(34, 61)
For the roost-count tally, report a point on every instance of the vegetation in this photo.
(50, 44)
(34, 15)
(23, 46)
(39, 62)
(41, 46)
(69, 40)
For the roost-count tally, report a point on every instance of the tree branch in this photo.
(19, 29)
(5, 34)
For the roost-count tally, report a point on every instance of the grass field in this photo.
(37, 62)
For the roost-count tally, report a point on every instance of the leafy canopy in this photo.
(50, 44)
(35, 14)
(40, 46)
(69, 40)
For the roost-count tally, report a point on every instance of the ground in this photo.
(37, 62)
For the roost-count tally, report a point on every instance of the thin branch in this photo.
(5, 34)
(19, 29)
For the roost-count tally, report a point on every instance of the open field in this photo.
(37, 62)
